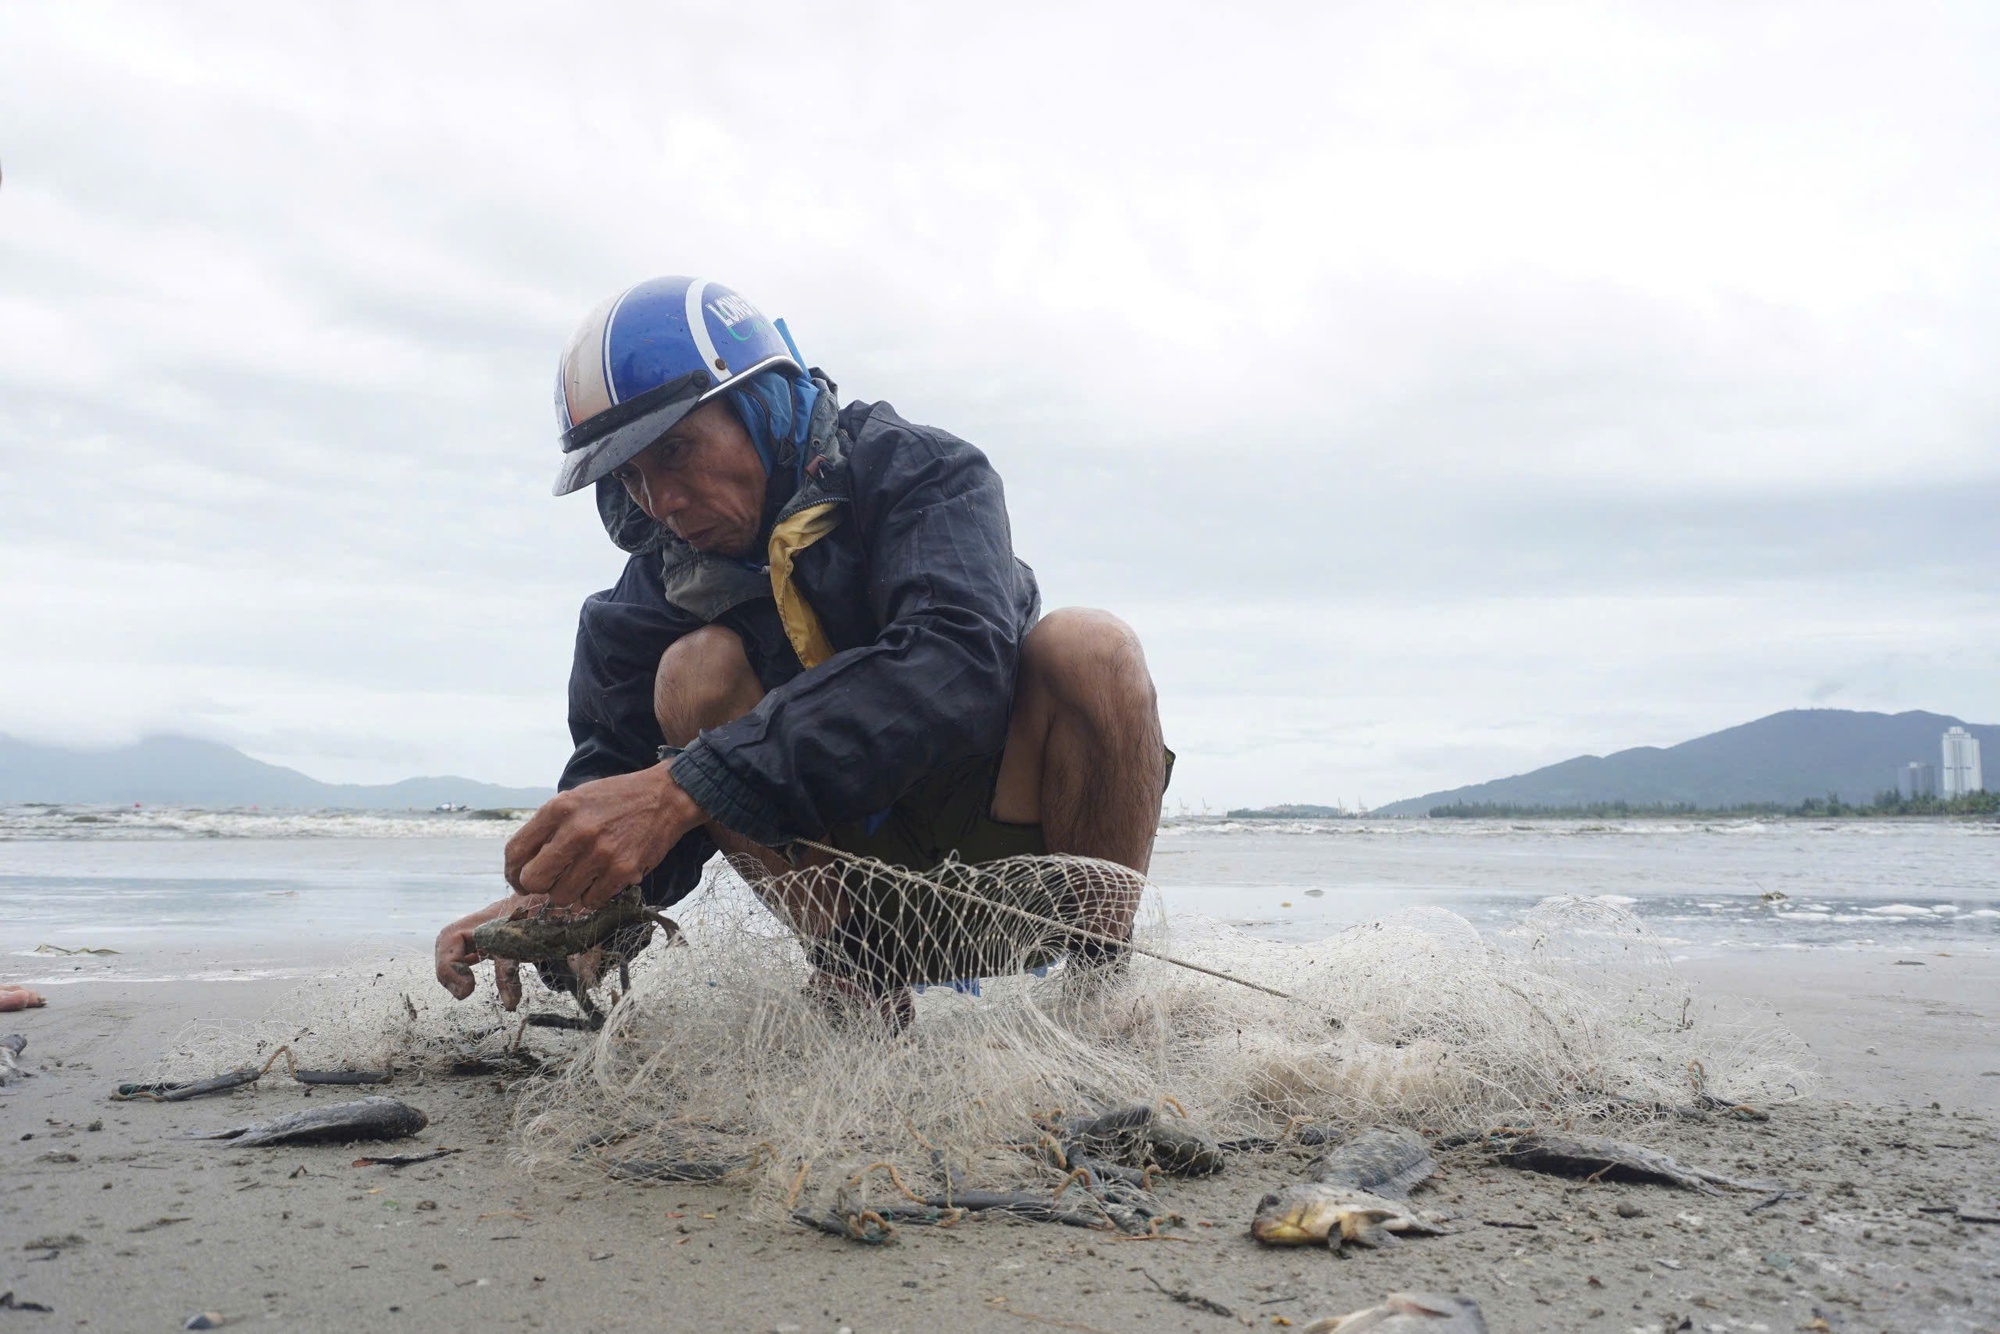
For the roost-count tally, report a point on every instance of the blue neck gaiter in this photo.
(776, 408)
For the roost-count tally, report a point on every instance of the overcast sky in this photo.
(1442, 391)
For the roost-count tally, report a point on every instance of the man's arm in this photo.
(621, 634)
(851, 735)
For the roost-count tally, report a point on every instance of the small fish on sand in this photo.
(1334, 1215)
(11, 1068)
(343, 1076)
(404, 1159)
(1356, 1195)
(1407, 1313)
(368, 1118)
(1597, 1157)
(875, 1224)
(171, 1091)
(1134, 1137)
(1181, 1149)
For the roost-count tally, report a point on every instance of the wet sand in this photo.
(130, 1226)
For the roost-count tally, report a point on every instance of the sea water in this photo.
(255, 893)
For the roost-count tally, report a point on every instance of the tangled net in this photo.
(727, 1057)
(738, 1053)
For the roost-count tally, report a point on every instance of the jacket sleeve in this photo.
(848, 737)
(620, 636)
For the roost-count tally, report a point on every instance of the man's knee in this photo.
(705, 679)
(1080, 653)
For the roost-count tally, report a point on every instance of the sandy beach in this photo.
(118, 1222)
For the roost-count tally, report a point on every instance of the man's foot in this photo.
(20, 998)
(842, 998)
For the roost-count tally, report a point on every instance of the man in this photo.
(821, 633)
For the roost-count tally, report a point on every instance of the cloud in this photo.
(1442, 390)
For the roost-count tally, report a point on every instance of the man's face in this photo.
(703, 480)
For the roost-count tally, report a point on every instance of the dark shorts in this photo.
(961, 921)
(948, 812)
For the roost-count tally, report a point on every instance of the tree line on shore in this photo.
(1831, 806)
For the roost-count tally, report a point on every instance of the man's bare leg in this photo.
(1084, 753)
(705, 680)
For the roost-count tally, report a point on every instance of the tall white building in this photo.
(1959, 774)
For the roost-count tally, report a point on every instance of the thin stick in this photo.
(1065, 927)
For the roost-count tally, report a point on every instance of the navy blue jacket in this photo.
(917, 590)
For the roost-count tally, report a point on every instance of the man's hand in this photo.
(455, 955)
(588, 843)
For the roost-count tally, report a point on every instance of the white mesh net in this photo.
(737, 1052)
(729, 1055)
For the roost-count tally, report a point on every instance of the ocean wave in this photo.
(136, 823)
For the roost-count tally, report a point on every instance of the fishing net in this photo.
(375, 1014)
(939, 1024)
(801, 1030)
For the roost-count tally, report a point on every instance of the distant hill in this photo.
(181, 771)
(1784, 758)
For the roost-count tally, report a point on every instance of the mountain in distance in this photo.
(182, 771)
(1785, 758)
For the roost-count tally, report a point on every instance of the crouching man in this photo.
(822, 633)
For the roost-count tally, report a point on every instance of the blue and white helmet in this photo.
(647, 357)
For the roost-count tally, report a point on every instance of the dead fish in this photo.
(1183, 1151)
(875, 1225)
(1384, 1161)
(1097, 1171)
(404, 1159)
(1407, 1313)
(1133, 1137)
(1597, 1157)
(342, 1076)
(369, 1118)
(533, 934)
(180, 1092)
(11, 1069)
(1323, 1211)
(1116, 1136)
